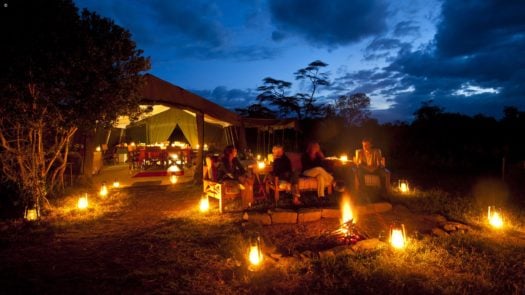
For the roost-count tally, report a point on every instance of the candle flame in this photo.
(103, 190)
(261, 165)
(174, 179)
(397, 239)
(204, 205)
(344, 158)
(82, 203)
(495, 219)
(403, 187)
(255, 256)
(116, 184)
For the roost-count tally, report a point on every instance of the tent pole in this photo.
(197, 176)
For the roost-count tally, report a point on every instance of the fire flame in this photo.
(255, 256)
(173, 179)
(344, 158)
(397, 239)
(204, 205)
(495, 219)
(346, 211)
(82, 202)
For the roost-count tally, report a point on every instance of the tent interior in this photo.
(168, 124)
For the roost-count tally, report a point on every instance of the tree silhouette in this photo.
(353, 108)
(313, 74)
(256, 110)
(62, 71)
(275, 92)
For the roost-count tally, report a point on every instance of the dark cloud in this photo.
(479, 43)
(384, 48)
(331, 23)
(406, 28)
(179, 28)
(229, 98)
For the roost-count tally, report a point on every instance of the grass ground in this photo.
(154, 240)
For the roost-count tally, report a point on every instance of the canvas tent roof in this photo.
(158, 91)
(173, 106)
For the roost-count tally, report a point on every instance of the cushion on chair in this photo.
(372, 180)
(307, 183)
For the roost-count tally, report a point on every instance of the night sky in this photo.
(467, 56)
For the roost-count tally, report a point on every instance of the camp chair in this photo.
(373, 180)
(212, 188)
(305, 183)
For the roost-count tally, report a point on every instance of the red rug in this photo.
(157, 174)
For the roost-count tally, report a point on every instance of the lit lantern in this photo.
(205, 147)
(116, 184)
(103, 190)
(495, 218)
(204, 204)
(82, 202)
(98, 149)
(403, 186)
(398, 236)
(261, 165)
(173, 179)
(255, 256)
(343, 158)
(258, 157)
(31, 214)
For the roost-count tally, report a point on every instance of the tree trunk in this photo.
(89, 150)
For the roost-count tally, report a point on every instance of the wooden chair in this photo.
(373, 180)
(305, 183)
(212, 188)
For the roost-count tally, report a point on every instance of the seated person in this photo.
(282, 168)
(231, 169)
(312, 162)
(370, 161)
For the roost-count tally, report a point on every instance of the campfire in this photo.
(348, 233)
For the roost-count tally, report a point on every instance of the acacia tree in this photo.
(62, 71)
(353, 108)
(275, 92)
(313, 74)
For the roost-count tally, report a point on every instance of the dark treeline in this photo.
(436, 140)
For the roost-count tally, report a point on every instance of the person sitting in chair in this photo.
(282, 168)
(312, 162)
(370, 161)
(231, 169)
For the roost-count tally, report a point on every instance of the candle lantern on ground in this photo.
(116, 184)
(398, 238)
(173, 179)
(255, 255)
(103, 190)
(403, 186)
(204, 204)
(82, 202)
(494, 217)
(31, 214)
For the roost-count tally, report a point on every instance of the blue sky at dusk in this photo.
(467, 56)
